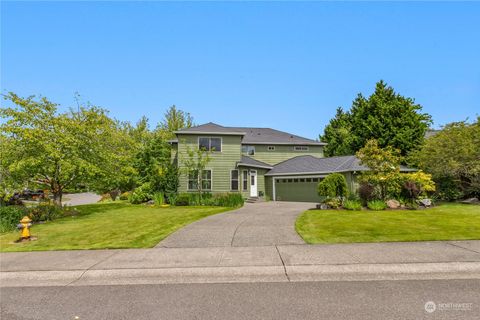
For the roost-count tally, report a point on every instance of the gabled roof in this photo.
(252, 135)
(250, 162)
(210, 128)
(313, 165)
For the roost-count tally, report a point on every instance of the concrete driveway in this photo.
(257, 224)
(76, 199)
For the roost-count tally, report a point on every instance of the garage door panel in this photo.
(297, 191)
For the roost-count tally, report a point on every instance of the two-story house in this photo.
(260, 162)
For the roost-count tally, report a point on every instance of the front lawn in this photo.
(109, 225)
(444, 222)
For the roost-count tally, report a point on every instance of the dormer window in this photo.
(210, 144)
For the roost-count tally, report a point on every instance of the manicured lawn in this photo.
(444, 222)
(109, 225)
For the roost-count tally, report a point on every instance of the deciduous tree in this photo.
(452, 156)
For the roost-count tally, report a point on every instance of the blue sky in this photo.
(286, 65)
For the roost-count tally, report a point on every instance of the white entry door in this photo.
(253, 183)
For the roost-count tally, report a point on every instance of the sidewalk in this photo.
(334, 262)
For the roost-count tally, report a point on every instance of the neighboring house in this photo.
(260, 162)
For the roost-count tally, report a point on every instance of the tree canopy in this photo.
(59, 150)
(390, 118)
(452, 156)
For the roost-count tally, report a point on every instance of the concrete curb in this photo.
(245, 274)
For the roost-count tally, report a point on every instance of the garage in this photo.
(297, 189)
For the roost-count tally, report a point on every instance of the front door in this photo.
(253, 183)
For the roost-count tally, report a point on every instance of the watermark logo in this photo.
(430, 306)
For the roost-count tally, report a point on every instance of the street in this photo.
(300, 300)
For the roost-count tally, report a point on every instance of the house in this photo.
(260, 162)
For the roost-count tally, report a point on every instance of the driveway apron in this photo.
(255, 224)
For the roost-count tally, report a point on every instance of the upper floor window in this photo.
(300, 148)
(271, 148)
(210, 144)
(250, 150)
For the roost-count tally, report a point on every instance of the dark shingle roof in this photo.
(250, 162)
(313, 165)
(210, 128)
(252, 135)
(272, 136)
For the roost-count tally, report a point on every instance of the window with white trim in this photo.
(300, 148)
(234, 180)
(245, 180)
(206, 180)
(210, 144)
(249, 150)
(192, 181)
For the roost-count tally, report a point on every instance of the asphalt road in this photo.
(302, 300)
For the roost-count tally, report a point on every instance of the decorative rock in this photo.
(471, 201)
(393, 204)
(425, 202)
(322, 206)
(150, 202)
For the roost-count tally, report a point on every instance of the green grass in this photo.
(445, 222)
(109, 225)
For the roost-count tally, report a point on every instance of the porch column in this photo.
(274, 193)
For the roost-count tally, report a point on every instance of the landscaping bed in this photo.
(450, 221)
(107, 226)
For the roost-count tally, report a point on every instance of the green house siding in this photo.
(221, 163)
(174, 151)
(261, 184)
(282, 153)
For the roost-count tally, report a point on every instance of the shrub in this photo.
(183, 199)
(376, 205)
(233, 199)
(172, 198)
(352, 205)
(45, 212)
(125, 195)
(141, 194)
(411, 190)
(10, 217)
(105, 197)
(159, 198)
(334, 185)
(448, 189)
(333, 203)
(411, 205)
(366, 191)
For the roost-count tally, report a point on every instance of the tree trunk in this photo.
(114, 194)
(200, 182)
(57, 197)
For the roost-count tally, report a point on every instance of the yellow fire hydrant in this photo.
(25, 225)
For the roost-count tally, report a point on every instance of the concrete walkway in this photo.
(282, 263)
(260, 224)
